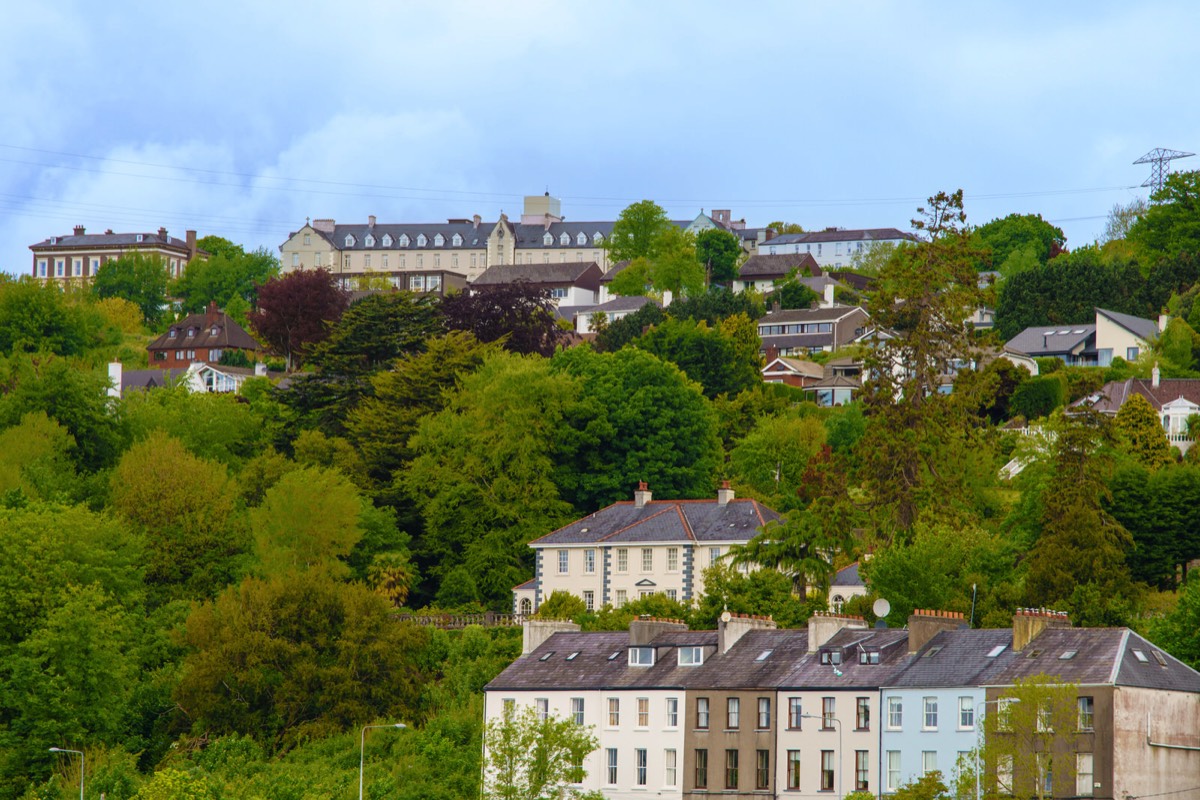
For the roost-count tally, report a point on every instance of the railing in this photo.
(452, 622)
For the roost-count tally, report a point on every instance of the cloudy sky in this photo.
(242, 118)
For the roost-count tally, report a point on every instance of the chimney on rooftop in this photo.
(537, 631)
(1028, 623)
(108, 232)
(644, 629)
(724, 494)
(642, 496)
(924, 624)
(475, 222)
(79, 230)
(732, 627)
(822, 627)
(211, 314)
(115, 368)
(162, 234)
(371, 221)
(191, 245)
(769, 234)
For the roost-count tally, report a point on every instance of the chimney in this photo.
(1163, 319)
(475, 221)
(536, 631)
(108, 232)
(260, 369)
(772, 352)
(79, 230)
(776, 307)
(114, 379)
(721, 216)
(323, 225)
(370, 220)
(732, 627)
(769, 234)
(642, 496)
(923, 625)
(191, 245)
(644, 629)
(1154, 376)
(1028, 623)
(162, 234)
(823, 626)
(211, 314)
(828, 295)
(724, 494)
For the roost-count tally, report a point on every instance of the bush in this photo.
(1037, 397)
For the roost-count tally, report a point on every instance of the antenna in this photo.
(1159, 159)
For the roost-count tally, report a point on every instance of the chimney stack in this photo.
(191, 245)
(162, 234)
(536, 631)
(1028, 623)
(108, 232)
(828, 295)
(769, 234)
(822, 627)
(644, 629)
(924, 624)
(79, 230)
(724, 494)
(732, 627)
(475, 221)
(642, 496)
(371, 221)
(260, 369)
(212, 313)
(1154, 376)
(115, 369)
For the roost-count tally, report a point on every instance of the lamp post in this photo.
(362, 746)
(979, 729)
(78, 753)
(837, 772)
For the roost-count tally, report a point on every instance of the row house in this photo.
(79, 256)
(634, 549)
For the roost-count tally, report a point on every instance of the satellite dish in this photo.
(881, 608)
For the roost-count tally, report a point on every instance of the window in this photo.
(893, 770)
(868, 655)
(564, 239)
(509, 704)
(731, 769)
(929, 723)
(1084, 775)
(691, 656)
(764, 655)
(41, 267)
(641, 656)
(385, 260)
(577, 710)
(1047, 773)
(701, 712)
(457, 240)
(543, 707)
(672, 712)
(1044, 723)
(828, 711)
(60, 267)
(714, 555)
(762, 769)
(831, 657)
(316, 259)
(733, 713)
(826, 770)
(612, 765)
(639, 755)
(702, 769)
(1004, 774)
(563, 561)
(647, 559)
(421, 240)
(895, 714)
(349, 240)
(862, 714)
(669, 768)
(793, 769)
(614, 712)
(77, 267)
(1087, 714)
(643, 707)
(96, 265)
(928, 761)
(214, 355)
(672, 559)
(622, 597)
(547, 239)
(589, 599)
(1004, 713)
(764, 713)
(346, 261)
(622, 559)
(581, 239)
(1131, 353)
(589, 561)
(861, 763)
(558, 293)
(307, 239)
(966, 713)
(672, 594)
(795, 710)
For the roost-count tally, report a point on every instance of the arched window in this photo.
(457, 240)
(581, 239)
(404, 240)
(349, 240)
(439, 240)
(526, 606)
(387, 240)
(564, 239)
(547, 240)
(836, 602)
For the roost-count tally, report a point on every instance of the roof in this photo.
(859, 283)
(1044, 340)
(837, 382)
(622, 303)
(197, 330)
(1144, 329)
(1113, 395)
(843, 235)
(744, 667)
(108, 240)
(575, 273)
(796, 366)
(529, 584)
(665, 521)
(848, 576)
(892, 643)
(534, 235)
(614, 270)
(471, 237)
(135, 379)
(957, 658)
(778, 266)
(831, 314)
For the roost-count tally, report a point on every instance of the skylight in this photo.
(764, 655)
(997, 650)
(547, 656)
(1067, 655)
(572, 656)
(933, 651)
(1159, 657)
(1140, 656)
(614, 656)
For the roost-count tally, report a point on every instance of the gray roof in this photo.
(533, 236)
(138, 379)
(740, 668)
(957, 658)
(1145, 329)
(196, 331)
(665, 521)
(848, 576)
(107, 240)
(625, 304)
(614, 270)
(567, 273)
(777, 266)
(843, 235)
(1113, 395)
(809, 673)
(473, 238)
(808, 315)
(1046, 340)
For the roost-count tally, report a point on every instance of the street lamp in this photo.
(837, 772)
(979, 730)
(78, 753)
(362, 745)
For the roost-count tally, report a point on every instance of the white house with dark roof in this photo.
(615, 309)
(834, 247)
(634, 549)
(1092, 344)
(847, 583)
(574, 283)
(801, 331)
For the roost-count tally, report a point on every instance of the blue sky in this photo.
(241, 119)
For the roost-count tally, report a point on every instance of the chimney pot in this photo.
(724, 494)
(642, 496)
(79, 230)
(162, 233)
(1155, 375)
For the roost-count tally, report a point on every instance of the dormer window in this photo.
(191, 332)
(404, 240)
(641, 656)
(831, 656)
(691, 656)
(171, 334)
(369, 241)
(214, 330)
(439, 240)
(349, 240)
(139, 237)
(564, 239)
(387, 240)
(581, 239)
(421, 240)
(868, 655)
(457, 240)
(597, 238)
(547, 239)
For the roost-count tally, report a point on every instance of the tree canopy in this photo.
(295, 312)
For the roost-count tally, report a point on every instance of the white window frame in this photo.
(672, 712)
(589, 599)
(640, 763)
(929, 719)
(1085, 779)
(733, 713)
(892, 767)
(589, 562)
(670, 768)
(612, 766)
(895, 719)
(672, 559)
(691, 656)
(764, 713)
(641, 656)
(928, 762)
(542, 704)
(647, 559)
(564, 562)
(614, 712)
(966, 713)
(643, 712)
(577, 705)
(622, 559)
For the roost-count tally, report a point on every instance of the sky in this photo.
(242, 119)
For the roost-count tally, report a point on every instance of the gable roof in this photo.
(665, 521)
(1113, 395)
(229, 335)
(742, 668)
(832, 314)
(778, 266)
(892, 643)
(848, 576)
(1144, 329)
(586, 274)
(140, 379)
(1046, 340)
(794, 366)
(957, 658)
(843, 235)
(623, 303)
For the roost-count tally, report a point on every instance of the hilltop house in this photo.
(1092, 344)
(201, 338)
(78, 256)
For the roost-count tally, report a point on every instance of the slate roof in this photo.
(1145, 329)
(135, 379)
(1048, 340)
(859, 283)
(1113, 395)
(957, 658)
(796, 366)
(586, 274)
(614, 270)
(472, 238)
(848, 576)
(624, 304)
(529, 584)
(808, 672)
(807, 315)
(778, 266)
(846, 235)
(837, 382)
(100, 241)
(229, 334)
(740, 668)
(665, 521)
(532, 236)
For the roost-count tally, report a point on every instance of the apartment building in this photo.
(79, 256)
(834, 247)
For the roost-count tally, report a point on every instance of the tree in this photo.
(38, 317)
(674, 266)
(706, 355)
(35, 457)
(623, 331)
(561, 605)
(228, 273)
(308, 521)
(520, 316)
(762, 591)
(137, 277)
(874, 258)
(1178, 632)
(797, 546)
(1030, 737)
(638, 232)
(1017, 232)
(716, 305)
(295, 312)
(1121, 218)
(376, 330)
(533, 758)
(1141, 432)
(638, 419)
(774, 456)
(929, 786)
(718, 250)
(791, 293)
(781, 227)
(1171, 225)
(219, 427)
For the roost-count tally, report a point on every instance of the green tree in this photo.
(1178, 632)
(1016, 232)
(638, 232)
(136, 277)
(228, 273)
(1171, 225)
(874, 258)
(763, 591)
(561, 605)
(219, 427)
(929, 786)
(530, 758)
(376, 330)
(35, 457)
(1031, 735)
(1178, 345)
(308, 521)
(623, 331)
(791, 293)
(38, 317)
(780, 227)
(718, 250)
(774, 456)
(706, 355)
(1121, 219)
(1141, 432)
